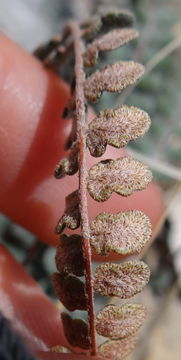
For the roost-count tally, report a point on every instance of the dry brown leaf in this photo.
(70, 291)
(71, 217)
(123, 176)
(91, 27)
(113, 78)
(122, 280)
(119, 322)
(69, 256)
(60, 349)
(117, 349)
(115, 17)
(76, 331)
(106, 19)
(116, 127)
(110, 41)
(124, 233)
(68, 166)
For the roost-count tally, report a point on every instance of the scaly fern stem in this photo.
(80, 115)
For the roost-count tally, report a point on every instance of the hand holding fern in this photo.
(30, 111)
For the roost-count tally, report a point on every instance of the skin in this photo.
(32, 136)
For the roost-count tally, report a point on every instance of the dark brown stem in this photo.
(81, 137)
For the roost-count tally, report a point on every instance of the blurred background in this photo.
(32, 22)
